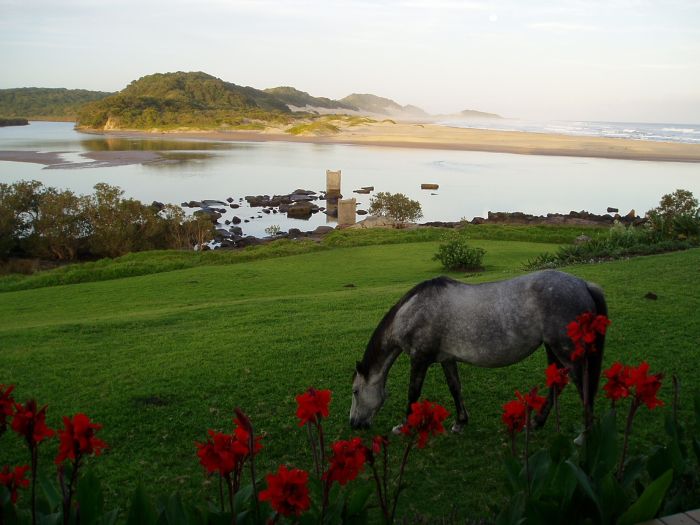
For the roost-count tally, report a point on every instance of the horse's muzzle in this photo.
(358, 425)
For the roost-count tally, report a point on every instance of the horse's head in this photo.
(368, 396)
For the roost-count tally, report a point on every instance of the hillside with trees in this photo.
(172, 100)
(46, 103)
(301, 99)
(383, 106)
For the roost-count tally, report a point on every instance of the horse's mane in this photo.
(373, 351)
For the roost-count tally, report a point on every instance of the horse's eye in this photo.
(355, 391)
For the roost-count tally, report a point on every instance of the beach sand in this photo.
(432, 136)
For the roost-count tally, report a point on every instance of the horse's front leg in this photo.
(455, 386)
(419, 367)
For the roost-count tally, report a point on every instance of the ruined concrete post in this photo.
(332, 183)
(346, 212)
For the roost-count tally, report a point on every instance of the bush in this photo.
(456, 254)
(677, 216)
(395, 206)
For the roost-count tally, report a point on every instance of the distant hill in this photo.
(382, 106)
(301, 99)
(45, 103)
(472, 113)
(171, 100)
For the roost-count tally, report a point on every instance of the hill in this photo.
(192, 99)
(383, 106)
(472, 113)
(301, 99)
(46, 103)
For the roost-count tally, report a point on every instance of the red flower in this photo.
(78, 438)
(425, 419)
(619, 382)
(312, 405)
(6, 405)
(30, 422)
(14, 479)
(224, 453)
(379, 443)
(287, 491)
(557, 378)
(583, 332)
(531, 400)
(514, 415)
(646, 386)
(347, 461)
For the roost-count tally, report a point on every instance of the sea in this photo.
(471, 183)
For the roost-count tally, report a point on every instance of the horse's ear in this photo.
(361, 368)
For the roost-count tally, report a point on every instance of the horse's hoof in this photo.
(397, 429)
(458, 428)
(580, 440)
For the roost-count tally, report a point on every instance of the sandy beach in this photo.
(432, 136)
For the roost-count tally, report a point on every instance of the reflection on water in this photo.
(471, 183)
(106, 143)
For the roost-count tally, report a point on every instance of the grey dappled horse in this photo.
(489, 325)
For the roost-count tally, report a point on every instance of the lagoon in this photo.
(471, 183)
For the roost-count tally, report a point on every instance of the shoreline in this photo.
(432, 136)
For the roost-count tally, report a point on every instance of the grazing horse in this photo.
(489, 325)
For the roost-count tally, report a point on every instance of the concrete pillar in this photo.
(346, 212)
(332, 183)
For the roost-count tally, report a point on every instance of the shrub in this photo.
(676, 216)
(456, 254)
(395, 206)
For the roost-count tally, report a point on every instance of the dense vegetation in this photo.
(170, 100)
(158, 359)
(13, 122)
(381, 105)
(46, 103)
(41, 222)
(300, 99)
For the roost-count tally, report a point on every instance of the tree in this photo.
(395, 206)
(61, 225)
(676, 215)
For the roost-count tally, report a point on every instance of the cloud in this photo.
(561, 27)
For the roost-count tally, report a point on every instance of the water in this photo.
(685, 133)
(471, 183)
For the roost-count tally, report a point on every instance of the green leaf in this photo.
(4, 496)
(89, 497)
(696, 447)
(513, 512)
(585, 485)
(696, 404)
(142, 511)
(110, 518)
(563, 485)
(648, 504)
(659, 462)
(175, 513)
(51, 493)
(613, 500)
(513, 468)
(357, 499)
(243, 498)
(540, 471)
(602, 446)
(561, 448)
(634, 468)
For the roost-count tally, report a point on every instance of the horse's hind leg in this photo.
(541, 418)
(455, 386)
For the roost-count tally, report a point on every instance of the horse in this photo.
(490, 325)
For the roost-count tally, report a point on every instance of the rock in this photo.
(184, 205)
(209, 202)
(234, 206)
(376, 222)
(322, 230)
(361, 191)
(478, 220)
(301, 210)
(266, 211)
(651, 296)
(283, 208)
(220, 232)
(303, 192)
(157, 205)
(294, 232)
(349, 285)
(429, 186)
(229, 200)
(301, 198)
(368, 188)
(248, 241)
(194, 204)
(612, 210)
(236, 220)
(582, 239)
(361, 212)
(236, 230)
(227, 222)
(257, 201)
(208, 212)
(246, 220)
(632, 215)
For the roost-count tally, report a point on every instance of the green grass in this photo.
(210, 337)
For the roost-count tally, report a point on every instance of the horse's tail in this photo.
(595, 360)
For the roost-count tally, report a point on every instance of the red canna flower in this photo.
(30, 422)
(312, 405)
(425, 419)
(583, 332)
(646, 386)
(531, 400)
(347, 461)
(14, 479)
(619, 381)
(557, 378)
(514, 415)
(287, 491)
(6, 405)
(224, 453)
(379, 443)
(78, 438)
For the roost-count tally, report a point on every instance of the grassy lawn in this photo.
(160, 358)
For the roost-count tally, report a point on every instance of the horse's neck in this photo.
(383, 361)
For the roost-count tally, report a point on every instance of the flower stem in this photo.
(380, 495)
(229, 484)
(628, 429)
(527, 450)
(556, 409)
(221, 492)
(33, 451)
(404, 460)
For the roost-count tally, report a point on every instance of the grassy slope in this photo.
(254, 334)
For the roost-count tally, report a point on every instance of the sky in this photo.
(609, 60)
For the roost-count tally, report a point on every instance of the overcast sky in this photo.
(619, 60)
